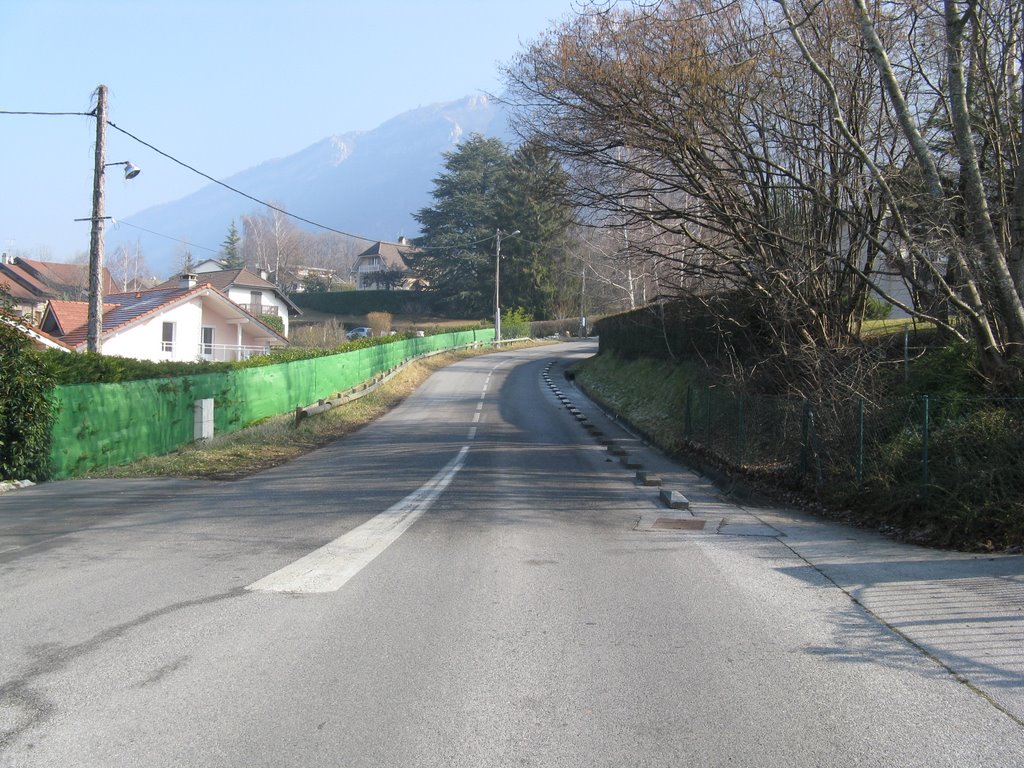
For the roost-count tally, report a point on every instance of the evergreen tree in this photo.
(231, 249)
(483, 188)
(458, 231)
(534, 264)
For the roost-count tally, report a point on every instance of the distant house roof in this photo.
(44, 280)
(224, 279)
(122, 310)
(209, 265)
(392, 255)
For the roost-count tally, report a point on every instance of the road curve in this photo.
(469, 581)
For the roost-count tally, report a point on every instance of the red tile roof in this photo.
(44, 280)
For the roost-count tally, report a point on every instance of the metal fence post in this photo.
(804, 433)
(741, 437)
(924, 442)
(860, 442)
(688, 421)
(707, 422)
(906, 354)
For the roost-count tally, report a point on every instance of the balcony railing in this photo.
(226, 353)
(259, 309)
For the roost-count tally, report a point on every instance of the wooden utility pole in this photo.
(95, 329)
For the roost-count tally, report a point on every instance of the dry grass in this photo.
(277, 440)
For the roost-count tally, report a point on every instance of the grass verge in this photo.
(971, 499)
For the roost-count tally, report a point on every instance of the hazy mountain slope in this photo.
(368, 183)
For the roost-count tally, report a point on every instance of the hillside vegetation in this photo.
(921, 453)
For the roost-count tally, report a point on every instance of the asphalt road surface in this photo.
(466, 582)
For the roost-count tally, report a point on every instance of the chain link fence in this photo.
(959, 458)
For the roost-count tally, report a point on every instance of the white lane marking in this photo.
(328, 569)
(479, 406)
(476, 418)
(472, 433)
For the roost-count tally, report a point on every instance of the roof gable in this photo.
(393, 256)
(225, 279)
(126, 309)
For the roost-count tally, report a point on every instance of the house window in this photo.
(207, 341)
(167, 345)
(256, 302)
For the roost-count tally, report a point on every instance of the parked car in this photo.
(359, 333)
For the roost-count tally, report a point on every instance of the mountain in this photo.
(368, 183)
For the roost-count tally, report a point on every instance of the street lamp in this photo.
(95, 328)
(497, 282)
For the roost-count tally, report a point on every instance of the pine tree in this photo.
(231, 249)
(483, 188)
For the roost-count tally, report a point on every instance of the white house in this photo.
(186, 323)
(385, 266)
(251, 292)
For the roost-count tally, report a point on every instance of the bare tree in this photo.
(129, 269)
(959, 114)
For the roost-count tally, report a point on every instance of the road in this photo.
(472, 580)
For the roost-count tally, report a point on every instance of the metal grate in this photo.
(685, 524)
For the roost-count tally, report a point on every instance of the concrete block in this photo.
(644, 477)
(203, 422)
(630, 462)
(674, 499)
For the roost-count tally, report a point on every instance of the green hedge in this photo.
(672, 330)
(100, 425)
(363, 302)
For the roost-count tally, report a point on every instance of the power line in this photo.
(233, 189)
(118, 222)
(269, 205)
(80, 114)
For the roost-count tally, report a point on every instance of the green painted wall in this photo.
(101, 425)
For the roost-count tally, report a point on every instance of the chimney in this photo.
(188, 281)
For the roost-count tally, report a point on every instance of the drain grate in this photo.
(686, 524)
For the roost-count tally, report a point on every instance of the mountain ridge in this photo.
(368, 183)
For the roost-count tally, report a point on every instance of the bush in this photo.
(515, 323)
(273, 321)
(26, 413)
(877, 309)
(379, 322)
(974, 478)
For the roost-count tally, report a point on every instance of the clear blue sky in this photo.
(222, 85)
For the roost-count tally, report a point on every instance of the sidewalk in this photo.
(964, 611)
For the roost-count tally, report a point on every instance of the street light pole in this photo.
(95, 329)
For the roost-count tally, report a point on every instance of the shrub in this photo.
(515, 323)
(26, 413)
(273, 321)
(877, 309)
(379, 322)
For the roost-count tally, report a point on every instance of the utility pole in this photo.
(95, 329)
(583, 303)
(497, 282)
(497, 285)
